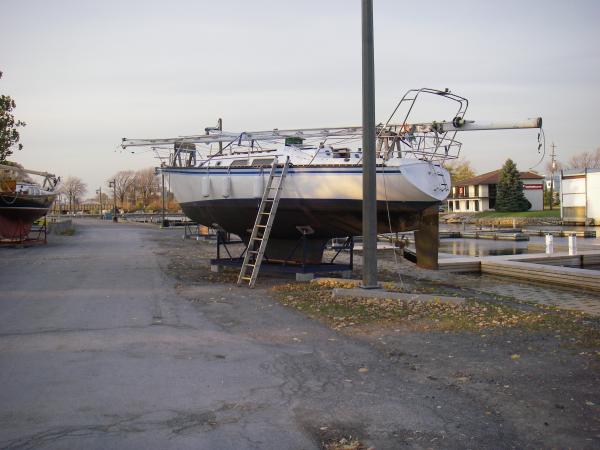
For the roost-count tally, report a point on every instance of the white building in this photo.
(479, 193)
(580, 196)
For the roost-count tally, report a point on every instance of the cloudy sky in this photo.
(85, 74)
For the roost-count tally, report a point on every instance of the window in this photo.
(262, 162)
(468, 204)
(492, 196)
(239, 162)
(476, 191)
(476, 204)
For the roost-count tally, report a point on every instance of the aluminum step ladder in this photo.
(263, 224)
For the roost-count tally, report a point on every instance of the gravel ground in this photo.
(119, 336)
(491, 388)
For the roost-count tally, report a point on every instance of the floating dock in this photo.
(558, 268)
(485, 234)
(560, 233)
(513, 234)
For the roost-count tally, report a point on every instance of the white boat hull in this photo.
(326, 199)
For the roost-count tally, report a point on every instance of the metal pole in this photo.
(164, 222)
(220, 127)
(100, 193)
(553, 167)
(114, 185)
(369, 211)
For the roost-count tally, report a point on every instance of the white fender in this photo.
(227, 186)
(206, 186)
(259, 185)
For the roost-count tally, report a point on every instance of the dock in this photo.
(495, 235)
(561, 233)
(513, 234)
(560, 269)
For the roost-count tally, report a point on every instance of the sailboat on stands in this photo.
(22, 201)
(220, 178)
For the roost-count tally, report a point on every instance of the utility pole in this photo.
(553, 168)
(369, 209)
(113, 184)
(99, 192)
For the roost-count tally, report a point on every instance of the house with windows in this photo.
(479, 193)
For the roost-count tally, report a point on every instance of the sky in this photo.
(85, 74)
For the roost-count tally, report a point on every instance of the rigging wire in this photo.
(389, 217)
(541, 145)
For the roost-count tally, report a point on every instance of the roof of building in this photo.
(569, 172)
(494, 177)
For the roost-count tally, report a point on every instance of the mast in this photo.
(351, 131)
(31, 172)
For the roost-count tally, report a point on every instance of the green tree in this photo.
(9, 127)
(460, 170)
(509, 192)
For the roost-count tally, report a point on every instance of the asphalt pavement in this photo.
(100, 349)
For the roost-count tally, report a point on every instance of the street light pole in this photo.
(369, 209)
(113, 184)
(164, 222)
(99, 192)
(553, 168)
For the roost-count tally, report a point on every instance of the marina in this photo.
(285, 254)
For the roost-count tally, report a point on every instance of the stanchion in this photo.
(549, 243)
(573, 244)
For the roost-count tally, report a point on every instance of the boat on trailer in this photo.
(220, 178)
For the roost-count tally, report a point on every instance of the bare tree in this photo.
(73, 188)
(123, 182)
(146, 184)
(586, 160)
(558, 166)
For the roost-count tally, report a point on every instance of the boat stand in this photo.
(303, 270)
(38, 234)
(193, 230)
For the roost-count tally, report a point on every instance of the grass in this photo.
(534, 214)
(343, 444)
(315, 300)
